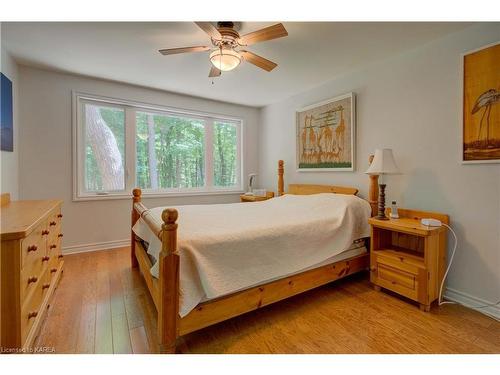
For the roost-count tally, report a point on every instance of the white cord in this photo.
(440, 301)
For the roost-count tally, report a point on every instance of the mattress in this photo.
(226, 248)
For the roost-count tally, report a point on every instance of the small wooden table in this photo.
(256, 198)
(407, 257)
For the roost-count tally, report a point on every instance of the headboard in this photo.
(305, 189)
(302, 189)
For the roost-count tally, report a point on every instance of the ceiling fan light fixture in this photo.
(225, 59)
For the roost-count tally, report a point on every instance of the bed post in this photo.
(281, 182)
(135, 216)
(373, 190)
(168, 310)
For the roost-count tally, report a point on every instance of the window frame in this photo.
(131, 108)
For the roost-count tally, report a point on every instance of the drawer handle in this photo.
(59, 215)
(45, 286)
(32, 314)
(52, 223)
(393, 282)
(52, 246)
(45, 258)
(373, 269)
(32, 248)
(45, 232)
(61, 256)
(32, 279)
(53, 270)
(60, 235)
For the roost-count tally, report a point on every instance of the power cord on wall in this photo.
(440, 300)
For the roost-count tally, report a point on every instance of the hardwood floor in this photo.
(103, 306)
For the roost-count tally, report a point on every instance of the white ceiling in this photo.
(313, 53)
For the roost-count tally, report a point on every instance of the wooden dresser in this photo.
(30, 267)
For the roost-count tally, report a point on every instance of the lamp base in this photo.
(381, 204)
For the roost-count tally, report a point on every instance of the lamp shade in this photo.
(225, 59)
(383, 163)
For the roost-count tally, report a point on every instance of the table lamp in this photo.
(383, 163)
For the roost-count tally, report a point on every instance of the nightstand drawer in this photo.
(396, 277)
(400, 262)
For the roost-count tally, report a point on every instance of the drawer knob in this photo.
(52, 223)
(45, 232)
(45, 258)
(59, 215)
(60, 235)
(32, 248)
(52, 246)
(53, 270)
(32, 279)
(61, 256)
(45, 286)
(32, 314)
(373, 269)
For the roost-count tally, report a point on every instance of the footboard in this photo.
(164, 290)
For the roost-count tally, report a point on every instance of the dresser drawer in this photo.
(31, 308)
(32, 273)
(53, 266)
(34, 246)
(54, 225)
(54, 248)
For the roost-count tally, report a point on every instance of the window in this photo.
(121, 145)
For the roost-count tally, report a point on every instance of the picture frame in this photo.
(481, 105)
(6, 114)
(326, 135)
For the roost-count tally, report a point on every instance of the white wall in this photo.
(45, 149)
(412, 104)
(9, 161)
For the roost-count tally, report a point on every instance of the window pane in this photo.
(104, 148)
(225, 154)
(170, 151)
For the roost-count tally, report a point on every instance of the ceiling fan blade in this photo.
(259, 61)
(268, 33)
(173, 51)
(210, 29)
(214, 72)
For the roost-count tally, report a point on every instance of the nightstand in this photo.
(256, 198)
(407, 257)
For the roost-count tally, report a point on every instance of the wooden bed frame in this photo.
(165, 290)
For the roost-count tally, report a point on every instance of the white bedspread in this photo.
(229, 247)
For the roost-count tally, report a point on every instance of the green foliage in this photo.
(179, 145)
(225, 154)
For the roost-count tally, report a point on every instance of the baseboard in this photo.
(95, 246)
(473, 302)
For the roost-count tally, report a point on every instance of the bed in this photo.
(239, 257)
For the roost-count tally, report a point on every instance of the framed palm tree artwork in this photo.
(481, 105)
(325, 135)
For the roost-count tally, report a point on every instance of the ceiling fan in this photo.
(226, 54)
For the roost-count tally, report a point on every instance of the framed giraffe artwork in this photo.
(481, 105)
(325, 135)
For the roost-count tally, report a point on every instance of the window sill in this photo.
(146, 195)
